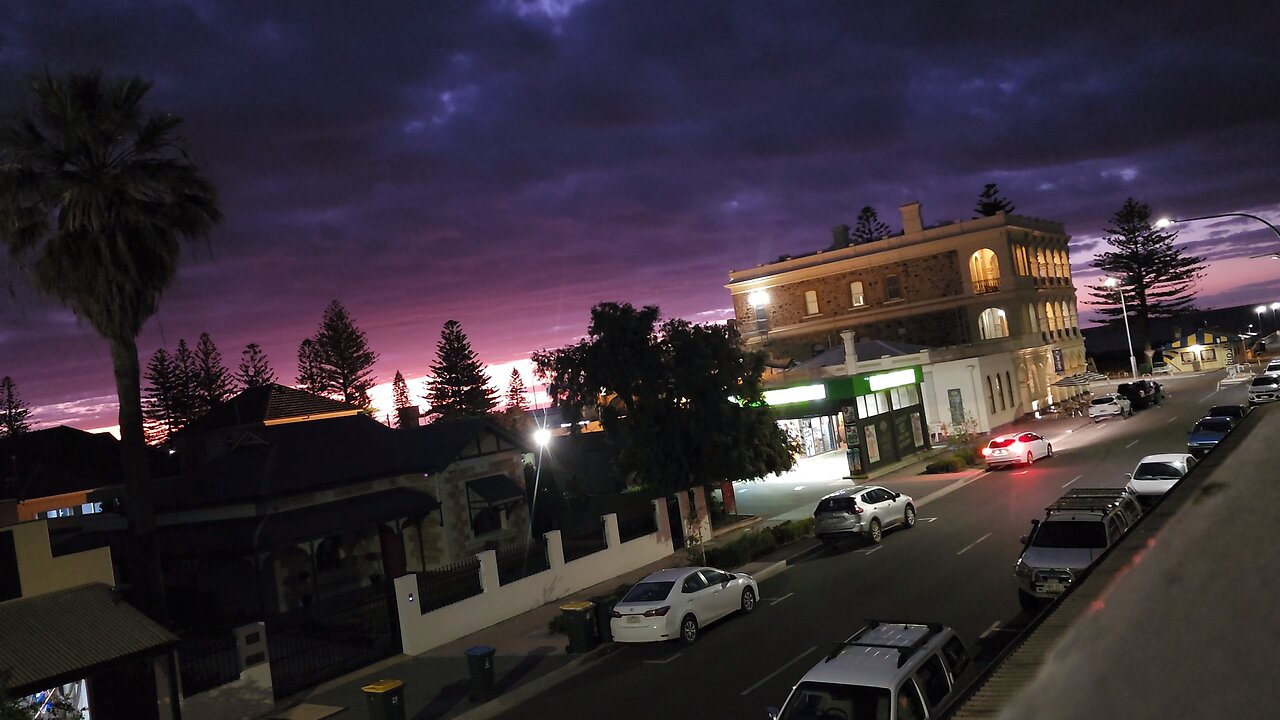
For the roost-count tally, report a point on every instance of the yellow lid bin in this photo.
(577, 605)
(382, 686)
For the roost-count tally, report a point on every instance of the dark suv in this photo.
(1142, 393)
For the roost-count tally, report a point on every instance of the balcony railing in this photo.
(982, 287)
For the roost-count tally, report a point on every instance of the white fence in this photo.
(421, 632)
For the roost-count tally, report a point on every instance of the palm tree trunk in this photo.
(146, 590)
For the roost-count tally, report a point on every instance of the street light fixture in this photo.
(1274, 307)
(1167, 222)
(1260, 309)
(1133, 361)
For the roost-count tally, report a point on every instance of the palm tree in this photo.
(94, 199)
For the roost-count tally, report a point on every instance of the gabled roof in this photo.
(269, 405)
(432, 448)
(54, 638)
(866, 350)
(58, 460)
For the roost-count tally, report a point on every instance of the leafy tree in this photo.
(868, 227)
(14, 413)
(663, 396)
(458, 387)
(213, 382)
(159, 399)
(516, 392)
(990, 202)
(311, 370)
(344, 358)
(254, 370)
(399, 391)
(95, 197)
(1158, 278)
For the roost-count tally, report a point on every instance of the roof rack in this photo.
(1111, 492)
(904, 651)
(1100, 504)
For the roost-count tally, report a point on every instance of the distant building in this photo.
(991, 300)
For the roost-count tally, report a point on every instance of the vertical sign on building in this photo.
(1058, 365)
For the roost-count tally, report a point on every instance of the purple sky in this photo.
(511, 163)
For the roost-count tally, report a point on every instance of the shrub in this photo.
(945, 464)
(763, 543)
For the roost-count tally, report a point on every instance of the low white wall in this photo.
(420, 633)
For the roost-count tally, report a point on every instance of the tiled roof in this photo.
(54, 637)
(866, 350)
(266, 404)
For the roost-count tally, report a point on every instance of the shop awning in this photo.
(495, 490)
(268, 532)
(1079, 379)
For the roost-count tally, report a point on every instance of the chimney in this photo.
(839, 237)
(1177, 333)
(850, 354)
(911, 218)
(408, 416)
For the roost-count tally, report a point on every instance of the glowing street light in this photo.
(1163, 223)
(1133, 361)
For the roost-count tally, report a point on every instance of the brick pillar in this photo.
(730, 500)
(704, 513)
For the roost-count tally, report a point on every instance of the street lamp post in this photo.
(1166, 222)
(1274, 307)
(541, 437)
(1124, 310)
(1260, 309)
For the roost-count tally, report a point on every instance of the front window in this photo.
(647, 592)
(893, 287)
(829, 700)
(1070, 534)
(811, 302)
(858, 298)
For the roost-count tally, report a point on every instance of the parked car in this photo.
(1273, 368)
(1156, 474)
(1141, 396)
(866, 510)
(1109, 405)
(1206, 434)
(1153, 388)
(678, 602)
(1264, 389)
(1014, 448)
(1237, 413)
(1076, 529)
(886, 670)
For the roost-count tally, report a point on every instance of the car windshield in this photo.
(1227, 411)
(1104, 400)
(649, 592)
(1220, 425)
(1003, 442)
(1157, 471)
(1264, 381)
(1070, 534)
(814, 701)
(836, 504)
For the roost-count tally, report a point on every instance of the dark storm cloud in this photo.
(510, 163)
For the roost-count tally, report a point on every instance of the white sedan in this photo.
(1156, 474)
(676, 603)
(1014, 448)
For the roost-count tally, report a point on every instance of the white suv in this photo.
(894, 671)
(866, 510)
(1264, 388)
(1109, 405)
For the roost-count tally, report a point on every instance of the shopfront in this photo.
(878, 418)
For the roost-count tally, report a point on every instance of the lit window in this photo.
(811, 302)
(855, 290)
(992, 324)
(892, 288)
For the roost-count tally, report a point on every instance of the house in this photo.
(1203, 350)
(57, 472)
(992, 296)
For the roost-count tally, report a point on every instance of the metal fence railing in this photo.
(521, 561)
(207, 662)
(583, 540)
(449, 584)
(637, 522)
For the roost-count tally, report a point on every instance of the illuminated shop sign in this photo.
(804, 393)
(884, 381)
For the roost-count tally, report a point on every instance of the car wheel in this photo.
(875, 532)
(909, 517)
(748, 600)
(688, 629)
(1049, 449)
(1028, 601)
(1030, 458)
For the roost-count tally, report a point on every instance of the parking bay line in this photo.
(775, 601)
(868, 552)
(1206, 397)
(1135, 442)
(771, 675)
(664, 662)
(1072, 480)
(975, 542)
(994, 627)
(1175, 417)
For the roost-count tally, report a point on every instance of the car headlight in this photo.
(1022, 569)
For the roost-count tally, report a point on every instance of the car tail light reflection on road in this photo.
(658, 612)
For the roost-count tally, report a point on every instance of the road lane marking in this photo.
(868, 552)
(926, 519)
(1073, 480)
(946, 490)
(775, 601)
(1135, 442)
(1175, 417)
(994, 627)
(664, 662)
(975, 542)
(798, 487)
(771, 675)
(1206, 397)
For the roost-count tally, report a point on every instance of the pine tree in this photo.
(990, 202)
(311, 372)
(399, 391)
(868, 227)
(213, 382)
(160, 420)
(14, 413)
(1157, 278)
(458, 387)
(344, 356)
(516, 393)
(254, 370)
(187, 405)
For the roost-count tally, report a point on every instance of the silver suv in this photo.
(1076, 529)
(1264, 389)
(866, 510)
(894, 671)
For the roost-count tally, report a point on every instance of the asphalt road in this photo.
(956, 569)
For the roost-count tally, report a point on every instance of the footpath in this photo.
(530, 659)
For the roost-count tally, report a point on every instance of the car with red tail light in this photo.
(865, 510)
(1021, 448)
(676, 603)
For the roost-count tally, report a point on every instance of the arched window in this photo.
(1042, 268)
(992, 324)
(1035, 321)
(984, 271)
(1008, 386)
(1020, 257)
(1064, 315)
(1050, 317)
(1066, 264)
(991, 398)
